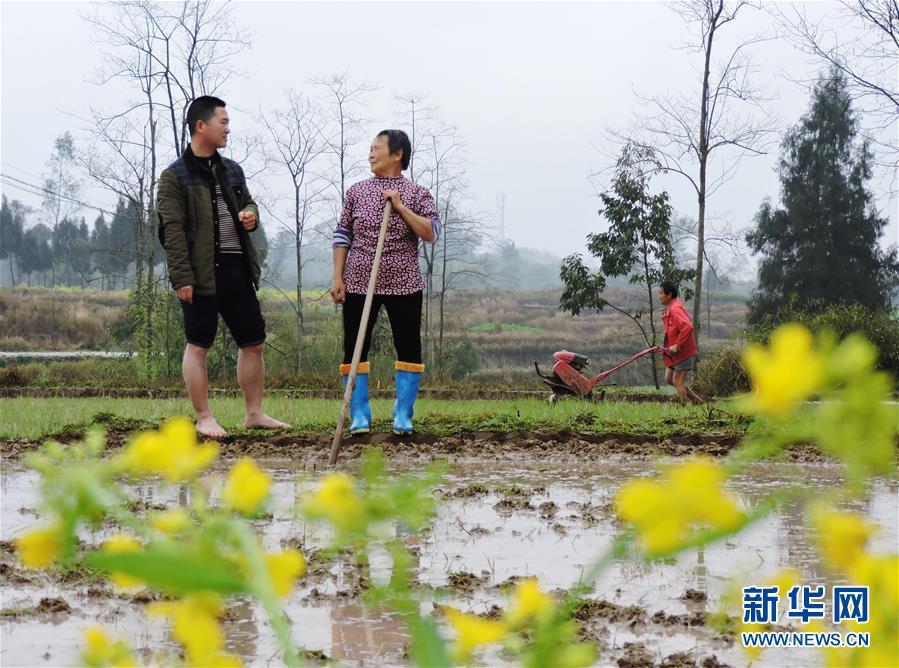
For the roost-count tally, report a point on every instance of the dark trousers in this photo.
(404, 312)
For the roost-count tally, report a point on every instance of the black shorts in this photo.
(235, 299)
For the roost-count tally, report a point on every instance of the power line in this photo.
(19, 169)
(19, 183)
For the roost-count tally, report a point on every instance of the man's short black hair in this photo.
(202, 109)
(397, 140)
(669, 288)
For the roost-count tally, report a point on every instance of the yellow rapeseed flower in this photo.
(225, 661)
(785, 579)
(39, 548)
(473, 632)
(841, 536)
(175, 520)
(664, 535)
(101, 651)
(172, 452)
(666, 511)
(122, 544)
(881, 574)
(284, 568)
(577, 655)
(195, 626)
(247, 486)
(697, 481)
(788, 371)
(336, 500)
(529, 602)
(641, 500)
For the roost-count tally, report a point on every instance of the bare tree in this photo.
(297, 143)
(61, 188)
(726, 117)
(344, 101)
(440, 160)
(168, 54)
(462, 233)
(416, 113)
(726, 242)
(865, 48)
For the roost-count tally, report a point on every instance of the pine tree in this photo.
(99, 245)
(11, 233)
(121, 241)
(822, 243)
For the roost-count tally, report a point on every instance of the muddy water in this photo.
(546, 521)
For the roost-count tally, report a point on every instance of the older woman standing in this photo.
(399, 286)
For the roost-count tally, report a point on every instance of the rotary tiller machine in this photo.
(568, 378)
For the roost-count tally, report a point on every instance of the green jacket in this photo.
(188, 220)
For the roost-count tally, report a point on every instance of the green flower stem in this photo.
(92, 486)
(262, 587)
(547, 643)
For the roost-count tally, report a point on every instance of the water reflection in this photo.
(468, 534)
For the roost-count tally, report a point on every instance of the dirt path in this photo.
(300, 393)
(553, 446)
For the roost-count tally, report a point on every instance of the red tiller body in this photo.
(568, 378)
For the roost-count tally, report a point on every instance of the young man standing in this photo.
(206, 215)
(680, 341)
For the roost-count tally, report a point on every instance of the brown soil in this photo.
(297, 393)
(689, 619)
(510, 504)
(636, 656)
(55, 604)
(679, 660)
(557, 446)
(686, 660)
(470, 491)
(694, 595)
(591, 609)
(46, 606)
(548, 509)
(465, 581)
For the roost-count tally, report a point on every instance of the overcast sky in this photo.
(531, 86)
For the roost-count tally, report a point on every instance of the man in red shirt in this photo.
(681, 356)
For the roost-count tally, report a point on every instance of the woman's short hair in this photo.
(397, 140)
(669, 288)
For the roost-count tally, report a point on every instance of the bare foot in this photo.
(263, 421)
(209, 428)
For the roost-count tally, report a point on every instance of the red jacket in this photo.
(678, 330)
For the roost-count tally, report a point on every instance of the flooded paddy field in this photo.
(499, 519)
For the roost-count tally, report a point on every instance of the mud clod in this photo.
(591, 609)
(54, 604)
(547, 509)
(510, 504)
(635, 656)
(678, 660)
(471, 491)
(689, 620)
(694, 595)
(465, 581)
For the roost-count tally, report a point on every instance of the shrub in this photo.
(842, 319)
(19, 375)
(15, 344)
(721, 373)
(463, 358)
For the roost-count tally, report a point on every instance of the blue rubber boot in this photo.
(408, 375)
(360, 409)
